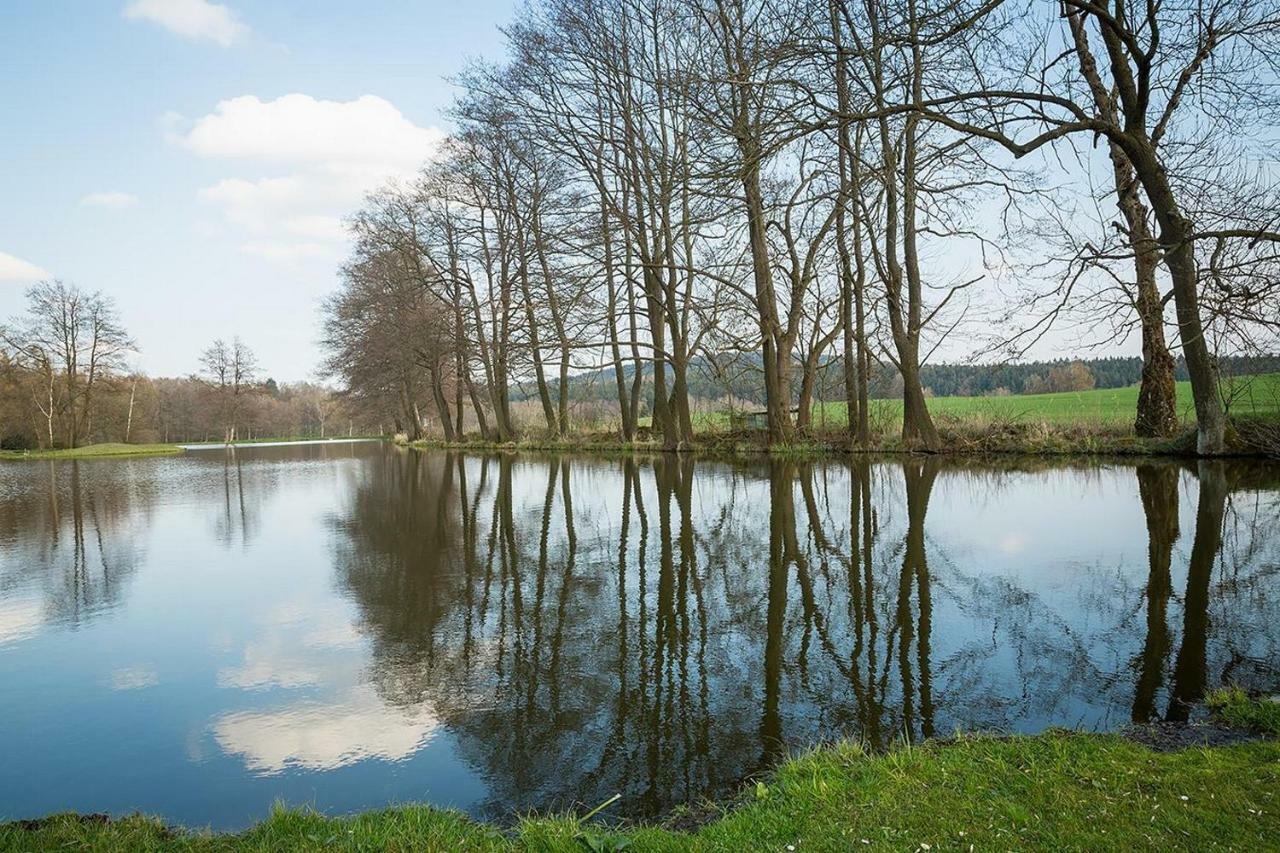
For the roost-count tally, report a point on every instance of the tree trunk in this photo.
(777, 397)
(625, 412)
(442, 404)
(917, 425)
(128, 423)
(1157, 414)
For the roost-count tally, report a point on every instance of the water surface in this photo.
(348, 626)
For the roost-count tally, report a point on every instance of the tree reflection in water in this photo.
(73, 543)
(666, 627)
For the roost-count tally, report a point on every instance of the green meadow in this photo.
(1255, 396)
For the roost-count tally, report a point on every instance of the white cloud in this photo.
(324, 735)
(112, 199)
(366, 133)
(16, 269)
(193, 19)
(326, 156)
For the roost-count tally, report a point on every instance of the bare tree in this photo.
(230, 371)
(74, 340)
(1182, 75)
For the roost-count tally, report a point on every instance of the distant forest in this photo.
(739, 376)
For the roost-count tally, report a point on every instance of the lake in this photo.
(348, 626)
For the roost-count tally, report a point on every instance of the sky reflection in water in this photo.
(353, 625)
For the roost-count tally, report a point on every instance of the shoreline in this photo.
(120, 450)
(1252, 439)
(1048, 443)
(1045, 791)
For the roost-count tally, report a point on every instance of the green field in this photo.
(1106, 407)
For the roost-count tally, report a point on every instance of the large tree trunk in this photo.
(561, 425)
(681, 414)
(1157, 415)
(442, 403)
(1157, 410)
(478, 407)
(846, 189)
(777, 395)
(535, 351)
(662, 414)
(1211, 420)
(1176, 240)
(917, 424)
(625, 412)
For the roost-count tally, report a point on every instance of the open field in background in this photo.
(1098, 421)
(1257, 396)
(1055, 791)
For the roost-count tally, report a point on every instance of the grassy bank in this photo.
(1055, 791)
(976, 434)
(95, 451)
(1098, 422)
(98, 451)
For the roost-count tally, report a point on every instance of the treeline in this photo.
(65, 382)
(646, 186)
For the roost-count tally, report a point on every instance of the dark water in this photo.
(351, 626)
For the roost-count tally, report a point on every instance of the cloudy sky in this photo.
(194, 159)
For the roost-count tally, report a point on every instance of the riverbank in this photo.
(1250, 438)
(104, 451)
(94, 451)
(1071, 423)
(1052, 791)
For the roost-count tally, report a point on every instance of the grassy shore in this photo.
(98, 451)
(1056, 791)
(972, 435)
(1098, 422)
(95, 451)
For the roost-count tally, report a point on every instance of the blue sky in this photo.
(193, 159)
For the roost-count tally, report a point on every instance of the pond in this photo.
(350, 626)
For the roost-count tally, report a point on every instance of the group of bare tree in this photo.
(655, 186)
(65, 381)
(68, 343)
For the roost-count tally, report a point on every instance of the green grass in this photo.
(1056, 791)
(91, 451)
(1239, 711)
(1114, 407)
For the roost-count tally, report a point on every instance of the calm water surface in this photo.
(349, 626)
